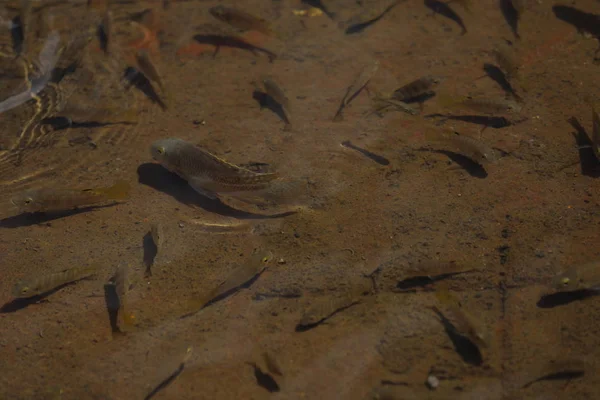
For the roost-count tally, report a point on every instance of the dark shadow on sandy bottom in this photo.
(472, 168)
(485, 121)
(590, 166)
(159, 178)
(563, 298)
(112, 306)
(264, 379)
(21, 303)
(28, 219)
(150, 252)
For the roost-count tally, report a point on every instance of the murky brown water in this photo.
(354, 296)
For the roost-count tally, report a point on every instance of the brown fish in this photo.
(471, 148)
(239, 277)
(242, 20)
(578, 277)
(418, 88)
(356, 87)
(206, 173)
(52, 200)
(561, 369)
(121, 282)
(276, 93)
(465, 323)
(147, 67)
(42, 284)
(271, 363)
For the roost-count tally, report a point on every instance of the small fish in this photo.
(471, 148)
(242, 20)
(579, 277)
(377, 158)
(219, 41)
(507, 61)
(158, 235)
(563, 369)
(147, 67)
(319, 4)
(464, 323)
(272, 364)
(166, 382)
(276, 93)
(487, 106)
(357, 86)
(53, 200)
(239, 277)
(383, 104)
(204, 172)
(323, 309)
(359, 27)
(428, 272)
(39, 285)
(121, 282)
(416, 89)
(444, 9)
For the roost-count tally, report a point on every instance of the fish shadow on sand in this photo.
(487, 122)
(140, 82)
(590, 166)
(159, 178)
(20, 303)
(583, 21)
(112, 306)
(472, 168)
(265, 101)
(511, 15)
(264, 379)
(496, 74)
(563, 298)
(38, 218)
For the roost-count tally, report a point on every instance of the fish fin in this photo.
(197, 183)
(118, 191)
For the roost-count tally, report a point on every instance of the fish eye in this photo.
(24, 289)
(565, 281)
(160, 150)
(28, 200)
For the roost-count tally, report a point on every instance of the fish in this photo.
(445, 10)
(507, 61)
(56, 199)
(377, 158)
(242, 20)
(382, 104)
(416, 89)
(242, 275)
(39, 285)
(579, 277)
(234, 42)
(487, 106)
(204, 172)
(562, 369)
(147, 67)
(271, 363)
(429, 272)
(167, 381)
(359, 27)
(323, 309)
(121, 283)
(471, 148)
(356, 87)
(319, 4)
(276, 93)
(464, 323)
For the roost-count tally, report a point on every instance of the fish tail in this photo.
(118, 191)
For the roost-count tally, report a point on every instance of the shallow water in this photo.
(360, 229)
